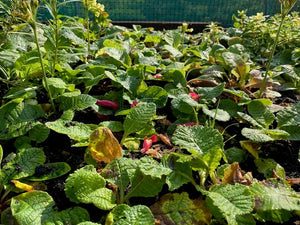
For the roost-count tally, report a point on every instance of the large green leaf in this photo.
(178, 208)
(154, 94)
(119, 57)
(85, 185)
(294, 132)
(118, 172)
(218, 114)
(229, 201)
(185, 104)
(198, 139)
(23, 165)
(275, 201)
(17, 118)
(50, 171)
(138, 117)
(261, 113)
(75, 130)
(68, 101)
(126, 215)
(208, 93)
(148, 179)
(263, 135)
(37, 207)
(289, 116)
(181, 171)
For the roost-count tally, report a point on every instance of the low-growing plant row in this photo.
(175, 127)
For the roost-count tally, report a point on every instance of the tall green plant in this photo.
(286, 7)
(29, 9)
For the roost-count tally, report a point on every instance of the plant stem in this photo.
(34, 27)
(56, 36)
(87, 25)
(270, 59)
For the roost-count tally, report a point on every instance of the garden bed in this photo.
(105, 124)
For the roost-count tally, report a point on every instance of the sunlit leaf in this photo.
(229, 201)
(104, 146)
(87, 186)
(275, 201)
(37, 207)
(178, 208)
(124, 214)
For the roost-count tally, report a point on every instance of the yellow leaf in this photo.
(103, 145)
(22, 186)
(251, 147)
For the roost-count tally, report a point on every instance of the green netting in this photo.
(179, 10)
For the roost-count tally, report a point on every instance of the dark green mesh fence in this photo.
(180, 10)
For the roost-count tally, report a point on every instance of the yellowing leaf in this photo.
(251, 147)
(104, 146)
(22, 186)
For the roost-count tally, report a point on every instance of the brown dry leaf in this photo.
(197, 82)
(233, 174)
(292, 181)
(103, 146)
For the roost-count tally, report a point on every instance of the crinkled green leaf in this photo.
(218, 114)
(263, 135)
(78, 102)
(85, 185)
(261, 113)
(39, 133)
(209, 93)
(229, 201)
(289, 116)
(119, 172)
(238, 93)
(17, 118)
(256, 135)
(50, 171)
(181, 171)
(23, 165)
(75, 130)
(249, 119)
(138, 117)
(21, 92)
(174, 52)
(114, 126)
(148, 179)
(130, 83)
(275, 201)
(126, 215)
(293, 131)
(197, 139)
(230, 106)
(184, 103)
(232, 59)
(37, 207)
(119, 56)
(178, 208)
(56, 85)
(173, 38)
(154, 94)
